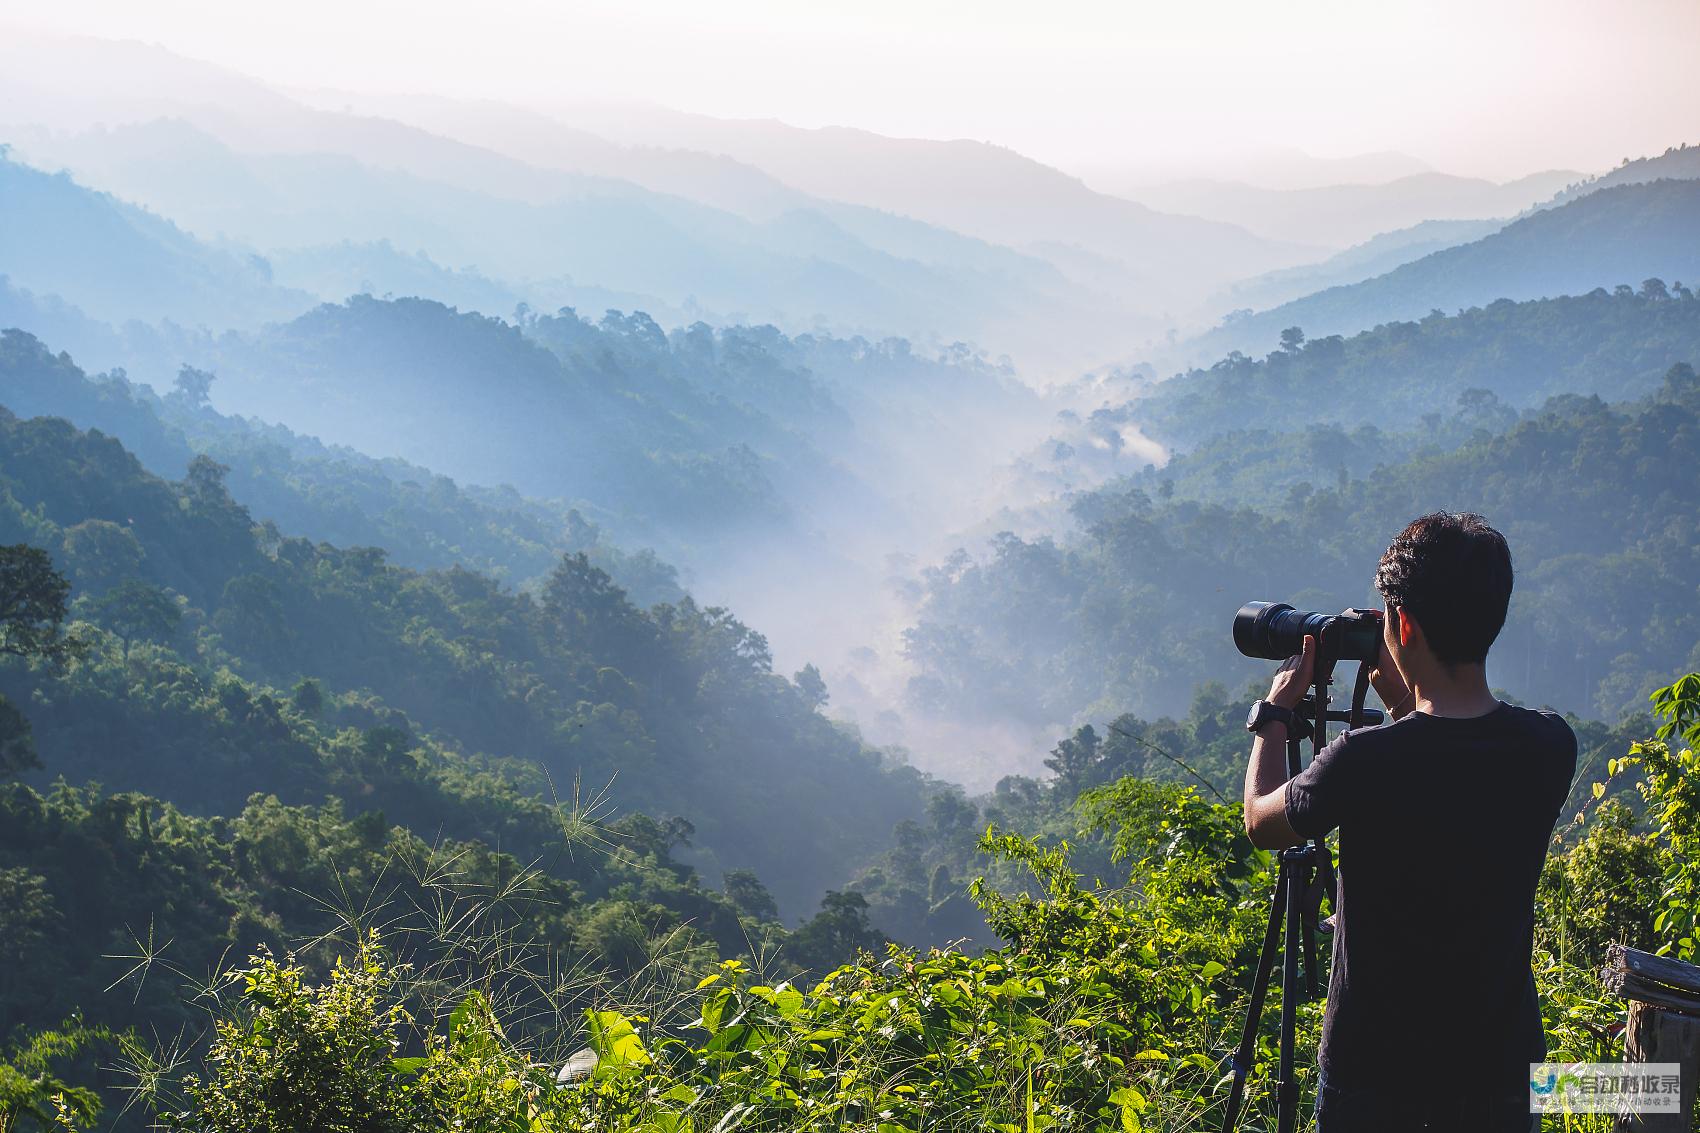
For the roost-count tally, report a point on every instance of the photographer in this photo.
(1444, 813)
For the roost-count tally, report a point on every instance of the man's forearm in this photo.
(1266, 773)
(1267, 769)
(1265, 795)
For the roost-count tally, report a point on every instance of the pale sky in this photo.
(1488, 87)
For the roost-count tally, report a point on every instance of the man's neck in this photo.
(1461, 691)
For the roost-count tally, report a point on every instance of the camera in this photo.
(1275, 631)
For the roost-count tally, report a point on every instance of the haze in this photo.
(1120, 93)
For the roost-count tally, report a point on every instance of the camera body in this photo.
(1275, 631)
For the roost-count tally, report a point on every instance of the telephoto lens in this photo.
(1275, 631)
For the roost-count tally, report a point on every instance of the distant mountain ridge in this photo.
(1376, 256)
(1678, 163)
(733, 221)
(581, 241)
(1344, 215)
(119, 263)
(1619, 235)
(978, 188)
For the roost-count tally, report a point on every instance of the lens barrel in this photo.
(1275, 631)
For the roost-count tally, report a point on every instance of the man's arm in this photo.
(1266, 791)
(1266, 774)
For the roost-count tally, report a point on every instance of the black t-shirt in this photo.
(1444, 825)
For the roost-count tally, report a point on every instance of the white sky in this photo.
(1490, 87)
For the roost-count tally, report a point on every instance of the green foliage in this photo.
(130, 894)
(32, 1096)
(678, 705)
(1668, 780)
(1074, 758)
(32, 614)
(1098, 1015)
(1604, 888)
(1105, 1008)
(294, 1057)
(32, 604)
(138, 611)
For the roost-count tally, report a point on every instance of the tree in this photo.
(32, 604)
(205, 481)
(17, 745)
(836, 933)
(138, 610)
(955, 820)
(99, 554)
(308, 697)
(1292, 339)
(1074, 758)
(1680, 383)
(745, 890)
(387, 746)
(812, 686)
(593, 612)
(193, 386)
(32, 610)
(251, 613)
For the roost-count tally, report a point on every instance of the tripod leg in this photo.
(1308, 926)
(1247, 1051)
(1287, 1085)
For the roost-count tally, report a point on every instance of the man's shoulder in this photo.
(1543, 726)
(1545, 723)
(1389, 733)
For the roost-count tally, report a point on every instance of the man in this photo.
(1445, 813)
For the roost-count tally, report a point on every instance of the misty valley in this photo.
(528, 617)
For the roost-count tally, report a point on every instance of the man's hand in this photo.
(1389, 685)
(1293, 678)
(1266, 774)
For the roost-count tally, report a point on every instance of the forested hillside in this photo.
(1598, 500)
(676, 707)
(1616, 343)
(1679, 162)
(699, 435)
(122, 263)
(1622, 234)
(334, 495)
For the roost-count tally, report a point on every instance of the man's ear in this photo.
(1409, 631)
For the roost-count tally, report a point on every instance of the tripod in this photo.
(1305, 877)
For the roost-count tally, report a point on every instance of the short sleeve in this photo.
(1321, 793)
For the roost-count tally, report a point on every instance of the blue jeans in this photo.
(1379, 1111)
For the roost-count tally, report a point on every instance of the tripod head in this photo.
(1304, 715)
(1311, 716)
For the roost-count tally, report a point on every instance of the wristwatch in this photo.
(1264, 712)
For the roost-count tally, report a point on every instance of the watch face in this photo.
(1251, 717)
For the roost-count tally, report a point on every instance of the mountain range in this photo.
(1616, 236)
(733, 221)
(1337, 216)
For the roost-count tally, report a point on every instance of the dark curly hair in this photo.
(1452, 573)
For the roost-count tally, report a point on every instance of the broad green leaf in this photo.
(615, 1040)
